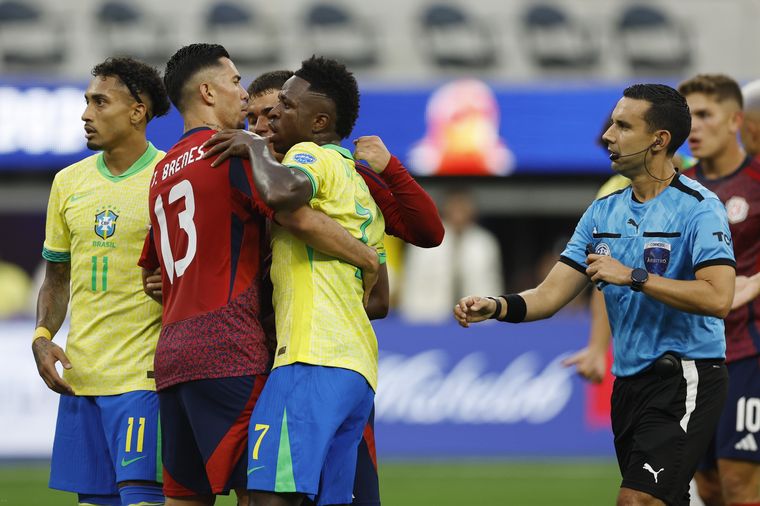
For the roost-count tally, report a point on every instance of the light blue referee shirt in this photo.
(674, 235)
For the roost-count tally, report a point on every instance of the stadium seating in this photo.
(652, 42)
(396, 40)
(247, 35)
(335, 32)
(29, 39)
(124, 29)
(555, 41)
(455, 39)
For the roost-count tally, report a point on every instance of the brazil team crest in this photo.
(105, 223)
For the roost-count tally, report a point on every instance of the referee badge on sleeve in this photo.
(656, 257)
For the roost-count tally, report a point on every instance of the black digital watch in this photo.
(639, 276)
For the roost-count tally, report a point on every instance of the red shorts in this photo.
(205, 434)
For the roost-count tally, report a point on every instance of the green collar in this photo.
(340, 149)
(140, 164)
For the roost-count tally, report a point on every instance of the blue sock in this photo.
(100, 500)
(134, 495)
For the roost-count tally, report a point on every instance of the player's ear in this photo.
(207, 93)
(321, 122)
(139, 113)
(662, 139)
(737, 119)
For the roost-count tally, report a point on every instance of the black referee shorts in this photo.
(663, 422)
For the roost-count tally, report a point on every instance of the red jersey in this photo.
(740, 193)
(410, 214)
(208, 235)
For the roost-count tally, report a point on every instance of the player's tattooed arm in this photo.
(281, 188)
(52, 303)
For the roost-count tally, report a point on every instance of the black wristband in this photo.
(496, 313)
(516, 308)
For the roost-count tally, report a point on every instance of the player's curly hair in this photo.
(185, 63)
(139, 78)
(332, 78)
(273, 80)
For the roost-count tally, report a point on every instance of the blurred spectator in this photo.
(14, 290)
(467, 261)
(546, 263)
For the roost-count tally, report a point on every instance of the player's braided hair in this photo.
(139, 78)
(273, 80)
(185, 63)
(332, 78)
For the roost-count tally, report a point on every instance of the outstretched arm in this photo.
(409, 212)
(561, 286)
(52, 302)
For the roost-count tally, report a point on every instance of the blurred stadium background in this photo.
(503, 98)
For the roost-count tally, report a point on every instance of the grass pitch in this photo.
(411, 483)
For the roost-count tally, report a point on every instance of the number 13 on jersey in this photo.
(182, 190)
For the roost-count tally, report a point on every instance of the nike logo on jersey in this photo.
(747, 443)
(125, 462)
(649, 468)
(255, 469)
(76, 197)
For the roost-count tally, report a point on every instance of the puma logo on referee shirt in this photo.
(649, 468)
(631, 221)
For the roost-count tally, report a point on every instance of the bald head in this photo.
(751, 127)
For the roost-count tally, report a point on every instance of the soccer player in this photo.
(306, 427)
(106, 445)
(730, 471)
(661, 251)
(750, 129)
(409, 213)
(208, 237)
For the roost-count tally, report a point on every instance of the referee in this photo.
(660, 251)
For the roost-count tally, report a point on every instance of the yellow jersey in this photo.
(613, 184)
(98, 222)
(319, 314)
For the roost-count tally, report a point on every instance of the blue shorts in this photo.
(305, 431)
(205, 426)
(737, 436)
(366, 483)
(104, 440)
